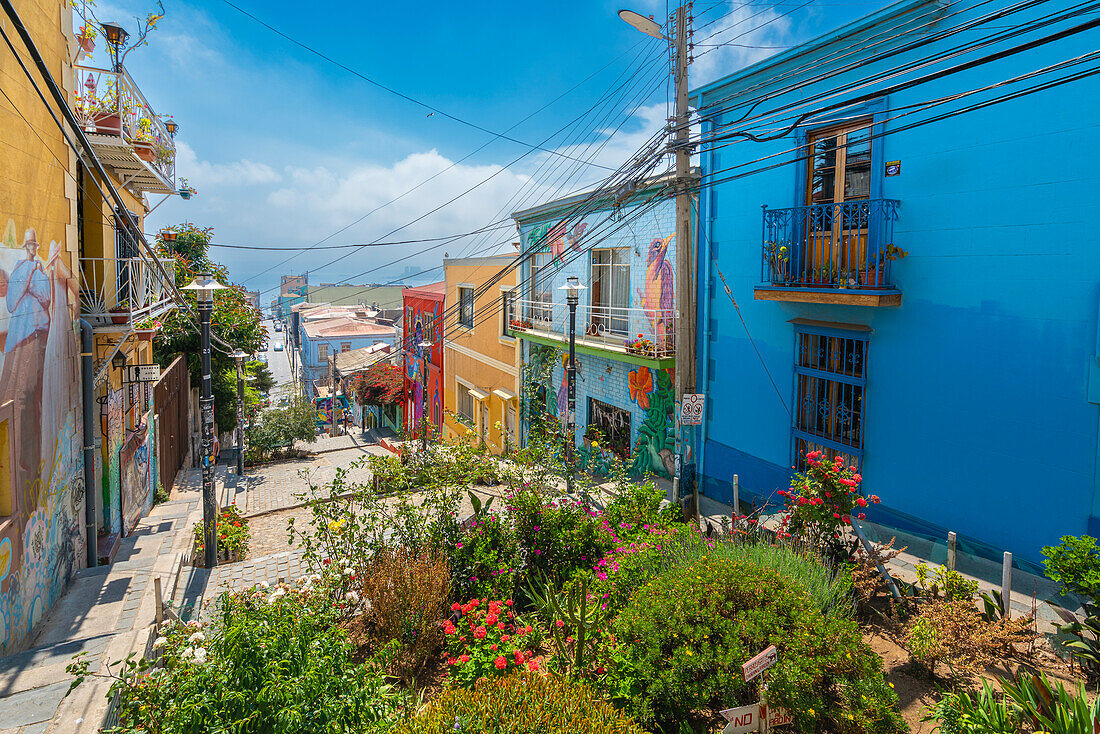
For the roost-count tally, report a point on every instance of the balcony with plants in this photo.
(635, 335)
(840, 253)
(121, 294)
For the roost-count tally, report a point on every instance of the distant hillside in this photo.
(386, 296)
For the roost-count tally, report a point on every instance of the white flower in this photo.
(200, 655)
(315, 578)
(278, 592)
(160, 642)
(352, 597)
(165, 626)
(349, 571)
(194, 623)
(264, 584)
(187, 652)
(197, 637)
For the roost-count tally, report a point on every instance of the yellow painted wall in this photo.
(41, 536)
(479, 355)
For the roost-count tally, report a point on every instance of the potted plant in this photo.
(86, 38)
(875, 276)
(186, 190)
(144, 140)
(825, 276)
(641, 346)
(120, 314)
(146, 328)
(778, 261)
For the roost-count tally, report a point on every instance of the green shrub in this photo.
(485, 559)
(270, 662)
(1075, 564)
(561, 538)
(958, 713)
(685, 635)
(630, 565)
(520, 704)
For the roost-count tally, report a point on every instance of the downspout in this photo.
(87, 370)
(704, 250)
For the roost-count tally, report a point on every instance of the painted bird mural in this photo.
(657, 298)
(561, 235)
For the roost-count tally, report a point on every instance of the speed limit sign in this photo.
(691, 409)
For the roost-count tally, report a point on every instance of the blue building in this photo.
(918, 274)
(326, 331)
(623, 253)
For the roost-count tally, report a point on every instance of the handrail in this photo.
(648, 332)
(121, 290)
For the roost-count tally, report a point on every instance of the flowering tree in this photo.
(822, 501)
(381, 384)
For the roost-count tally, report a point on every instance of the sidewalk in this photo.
(106, 612)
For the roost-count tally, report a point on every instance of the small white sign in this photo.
(760, 663)
(691, 409)
(778, 717)
(743, 718)
(143, 373)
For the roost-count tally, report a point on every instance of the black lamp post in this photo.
(204, 286)
(115, 36)
(171, 126)
(425, 348)
(572, 290)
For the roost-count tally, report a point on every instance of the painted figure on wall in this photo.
(658, 298)
(41, 541)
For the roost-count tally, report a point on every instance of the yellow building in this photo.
(481, 362)
(63, 261)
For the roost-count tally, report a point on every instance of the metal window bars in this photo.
(124, 290)
(830, 383)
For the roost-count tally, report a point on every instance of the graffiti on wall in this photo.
(115, 435)
(424, 323)
(42, 538)
(658, 296)
(653, 449)
(135, 489)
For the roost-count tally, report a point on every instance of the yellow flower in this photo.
(810, 712)
(689, 652)
(336, 524)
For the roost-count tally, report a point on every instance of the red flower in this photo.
(501, 663)
(493, 647)
(490, 620)
(836, 516)
(455, 607)
(532, 666)
(519, 658)
(861, 516)
(861, 502)
(857, 478)
(479, 633)
(500, 625)
(464, 658)
(448, 628)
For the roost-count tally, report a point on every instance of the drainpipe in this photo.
(87, 372)
(703, 222)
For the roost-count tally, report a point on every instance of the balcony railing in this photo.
(842, 245)
(113, 110)
(121, 291)
(644, 332)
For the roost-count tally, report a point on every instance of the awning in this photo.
(503, 394)
(478, 394)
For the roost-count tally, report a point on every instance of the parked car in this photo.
(278, 326)
(278, 346)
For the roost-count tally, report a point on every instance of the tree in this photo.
(281, 427)
(381, 384)
(235, 320)
(262, 379)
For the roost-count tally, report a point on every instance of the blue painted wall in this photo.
(976, 409)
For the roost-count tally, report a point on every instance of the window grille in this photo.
(830, 375)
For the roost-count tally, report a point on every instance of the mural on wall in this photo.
(563, 389)
(41, 541)
(424, 323)
(115, 434)
(653, 450)
(134, 460)
(556, 237)
(658, 296)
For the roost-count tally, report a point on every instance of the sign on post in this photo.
(743, 719)
(760, 663)
(691, 409)
(143, 373)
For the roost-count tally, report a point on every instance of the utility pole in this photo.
(684, 481)
(204, 286)
(685, 265)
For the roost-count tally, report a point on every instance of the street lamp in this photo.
(425, 349)
(239, 356)
(572, 290)
(115, 36)
(204, 286)
(171, 126)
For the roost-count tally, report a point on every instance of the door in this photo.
(837, 191)
(484, 420)
(510, 424)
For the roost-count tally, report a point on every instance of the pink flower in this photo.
(560, 624)
(857, 478)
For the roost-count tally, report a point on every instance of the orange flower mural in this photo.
(641, 385)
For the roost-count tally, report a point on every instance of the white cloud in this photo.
(236, 173)
(750, 27)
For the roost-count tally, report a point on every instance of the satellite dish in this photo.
(646, 25)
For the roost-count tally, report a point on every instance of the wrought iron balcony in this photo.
(639, 332)
(847, 246)
(115, 293)
(126, 133)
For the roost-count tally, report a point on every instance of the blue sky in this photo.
(286, 148)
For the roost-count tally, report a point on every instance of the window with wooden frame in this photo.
(838, 187)
(507, 312)
(830, 376)
(322, 352)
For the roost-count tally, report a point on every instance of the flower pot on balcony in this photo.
(874, 279)
(87, 43)
(119, 317)
(107, 123)
(145, 151)
(145, 335)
